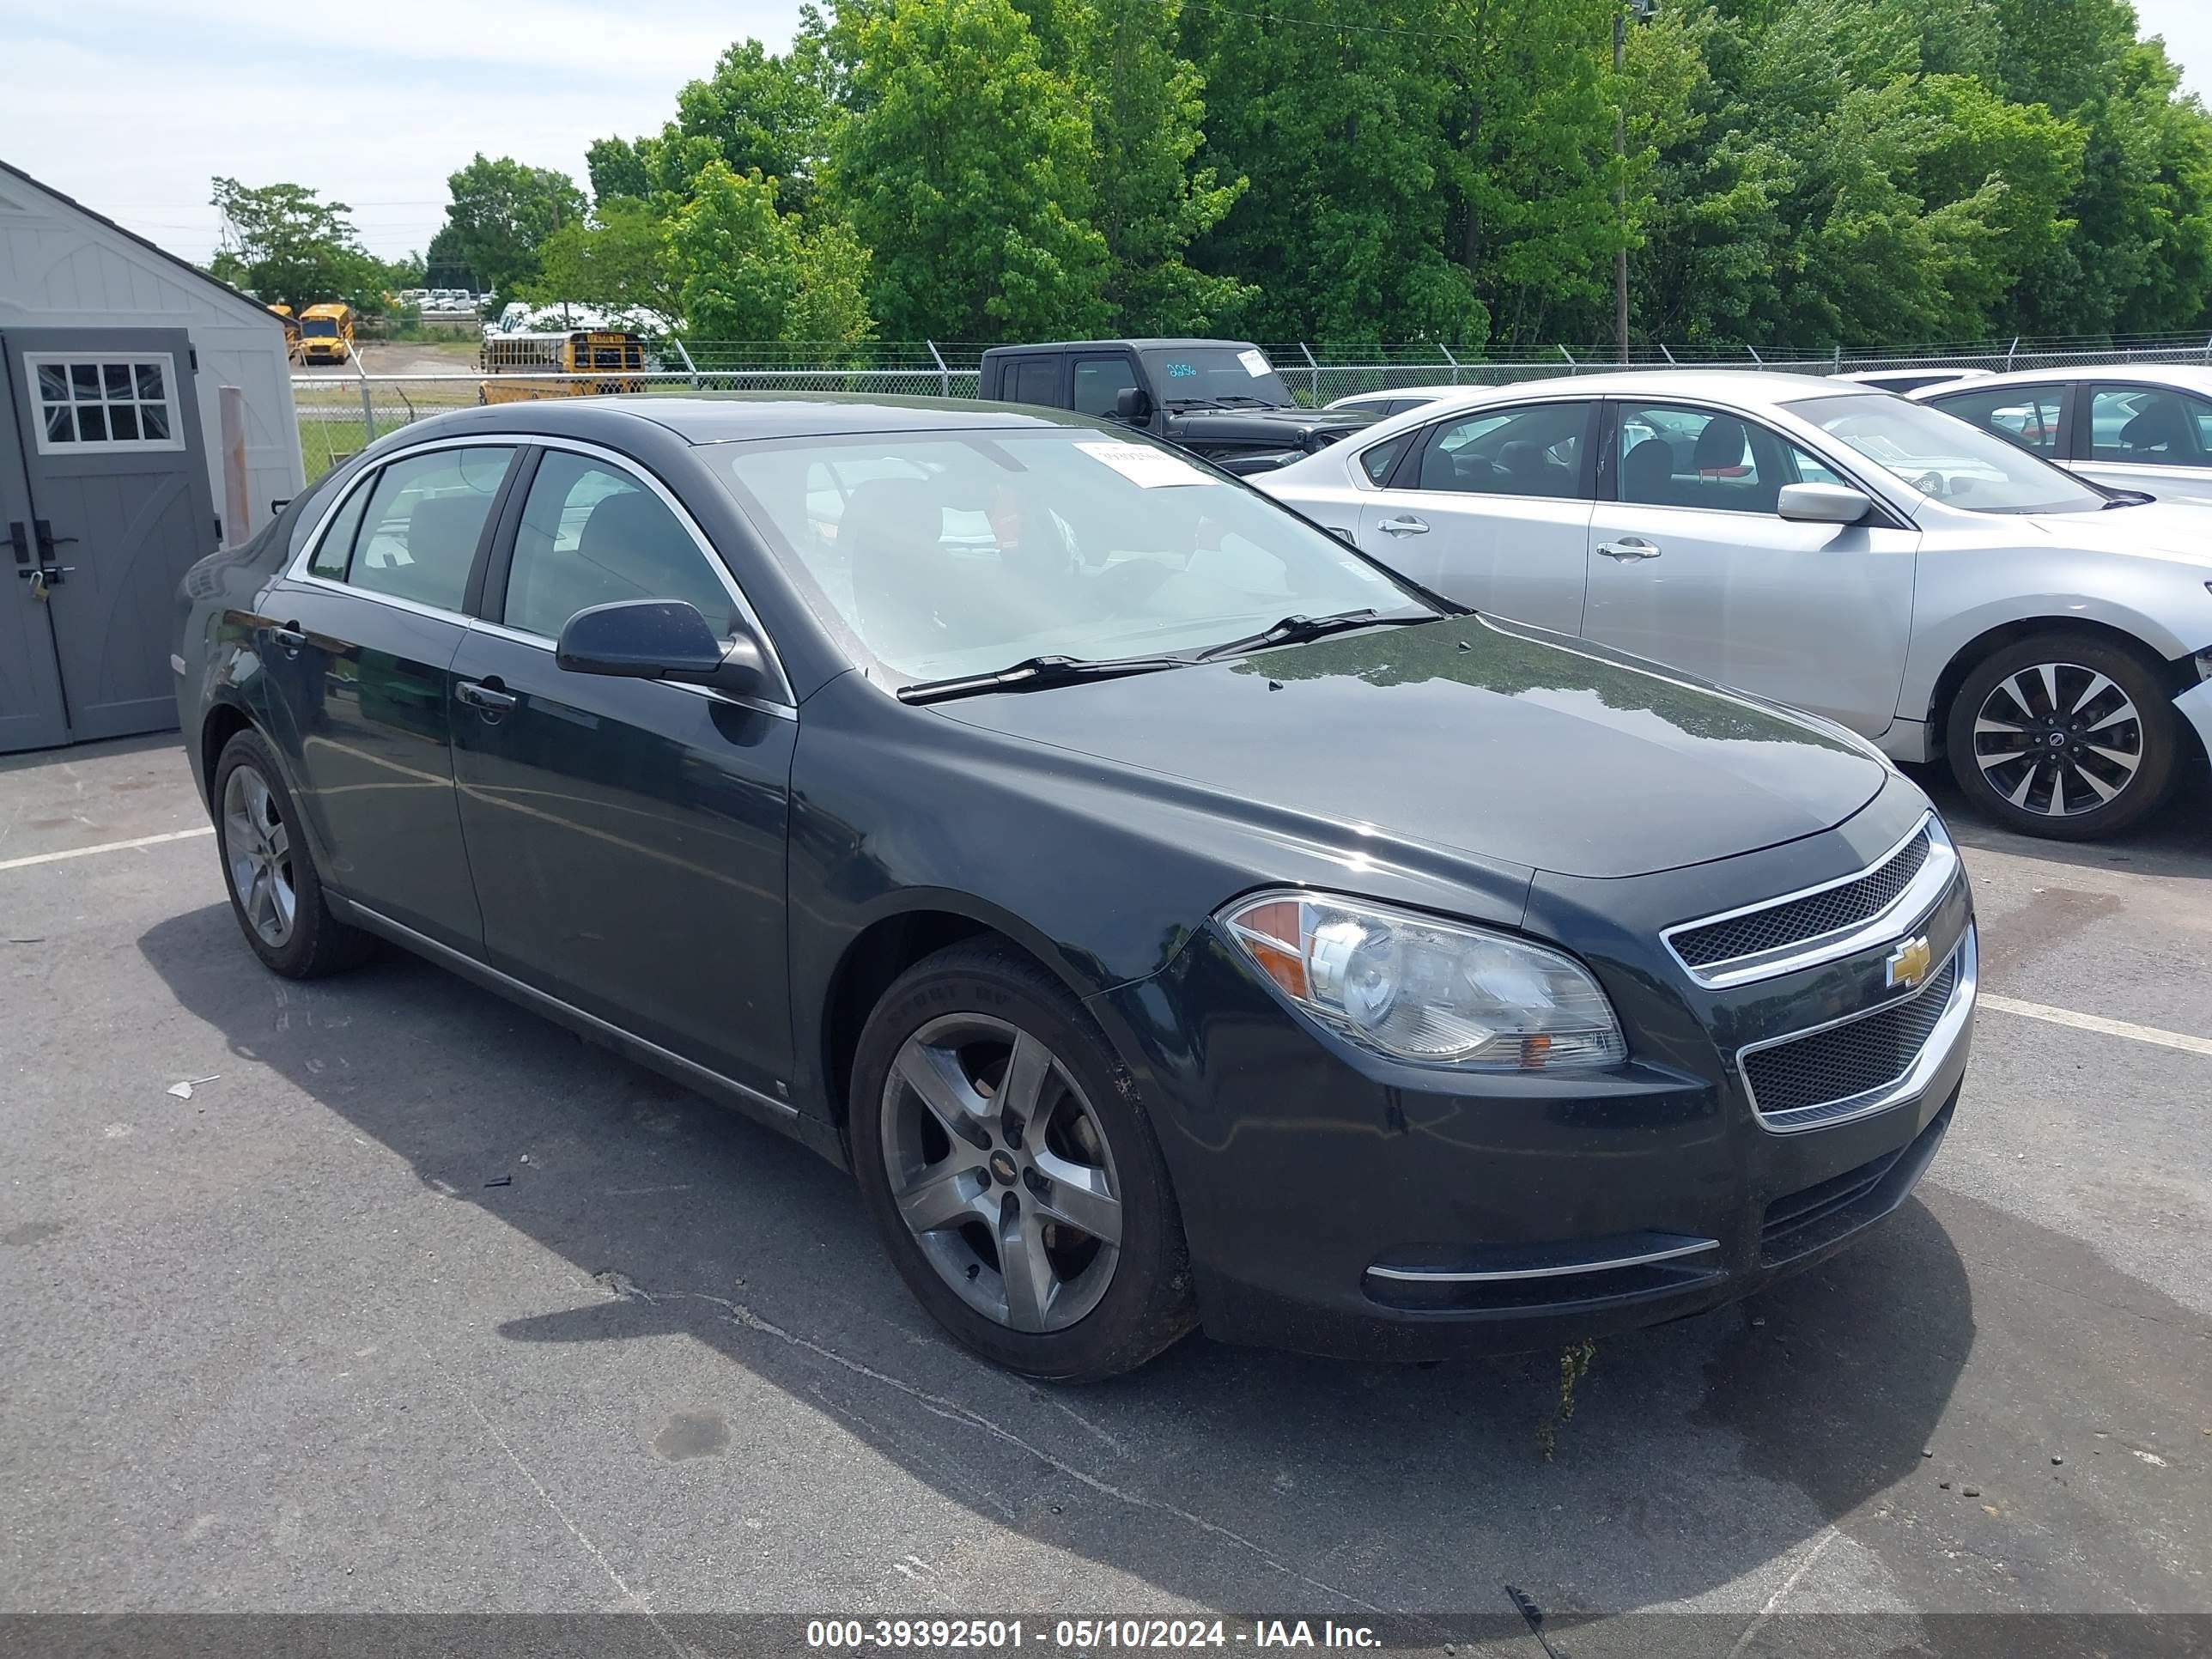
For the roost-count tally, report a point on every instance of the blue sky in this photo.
(131, 106)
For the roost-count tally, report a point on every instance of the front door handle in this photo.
(290, 637)
(1407, 526)
(481, 694)
(1629, 547)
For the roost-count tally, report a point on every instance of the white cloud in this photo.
(131, 107)
(2187, 27)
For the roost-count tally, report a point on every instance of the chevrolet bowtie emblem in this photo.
(1908, 965)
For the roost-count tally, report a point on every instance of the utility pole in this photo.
(1620, 183)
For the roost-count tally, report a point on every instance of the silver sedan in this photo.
(1937, 589)
(2146, 426)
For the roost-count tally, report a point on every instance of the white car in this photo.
(2146, 426)
(1902, 381)
(1935, 589)
(1395, 401)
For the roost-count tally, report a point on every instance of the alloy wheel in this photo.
(1001, 1172)
(2058, 738)
(257, 843)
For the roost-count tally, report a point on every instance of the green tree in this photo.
(1342, 229)
(967, 166)
(289, 246)
(616, 167)
(749, 272)
(446, 261)
(618, 258)
(501, 212)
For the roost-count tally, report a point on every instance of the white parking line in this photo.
(2119, 1028)
(105, 847)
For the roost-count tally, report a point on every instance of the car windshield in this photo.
(960, 553)
(1215, 374)
(318, 326)
(1943, 456)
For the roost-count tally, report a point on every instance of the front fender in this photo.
(1940, 635)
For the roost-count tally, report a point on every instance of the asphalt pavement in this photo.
(418, 1303)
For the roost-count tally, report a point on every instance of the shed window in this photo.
(105, 402)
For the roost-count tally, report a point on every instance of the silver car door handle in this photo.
(1408, 525)
(1629, 547)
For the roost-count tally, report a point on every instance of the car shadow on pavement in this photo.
(2174, 840)
(1698, 1453)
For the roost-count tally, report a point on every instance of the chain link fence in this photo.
(341, 414)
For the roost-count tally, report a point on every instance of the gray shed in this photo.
(112, 478)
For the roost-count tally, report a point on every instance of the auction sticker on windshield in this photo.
(1255, 362)
(1142, 466)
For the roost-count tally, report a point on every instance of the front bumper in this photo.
(1336, 1203)
(2196, 706)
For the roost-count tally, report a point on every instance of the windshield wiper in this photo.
(1192, 402)
(1241, 397)
(1035, 674)
(1295, 629)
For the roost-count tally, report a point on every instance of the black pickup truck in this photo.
(1219, 398)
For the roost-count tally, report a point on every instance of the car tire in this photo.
(2029, 759)
(1025, 1172)
(266, 860)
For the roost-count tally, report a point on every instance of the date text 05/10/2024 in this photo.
(1084, 1635)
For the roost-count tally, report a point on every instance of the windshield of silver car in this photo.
(1943, 456)
(955, 553)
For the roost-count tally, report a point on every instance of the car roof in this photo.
(733, 416)
(1160, 345)
(1746, 388)
(2193, 377)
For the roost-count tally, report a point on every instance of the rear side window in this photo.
(2027, 415)
(1378, 460)
(335, 552)
(425, 514)
(1535, 451)
(1034, 380)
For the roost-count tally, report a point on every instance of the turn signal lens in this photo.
(1417, 988)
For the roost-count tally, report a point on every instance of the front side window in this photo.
(1957, 464)
(1100, 382)
(1532, 451)
(425, 515)
(101, 403)
(958, 553)
(2147, 426)
(2028, 415)
(593, 534)
(1670, 455)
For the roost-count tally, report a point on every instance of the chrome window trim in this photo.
(301, 571)
(1929, 883)
(1849, 1109)
(1424, 1276)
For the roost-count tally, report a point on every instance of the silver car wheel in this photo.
(2058, 738)
(257, 843)
(1002, 1171)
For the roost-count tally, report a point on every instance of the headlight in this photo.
(1416, 988)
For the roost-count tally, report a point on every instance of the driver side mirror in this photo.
(659, 640)
(1821, 503)
(1133, 404)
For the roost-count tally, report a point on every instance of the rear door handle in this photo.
(1407, 526)
(480, 694)
(1629, 547)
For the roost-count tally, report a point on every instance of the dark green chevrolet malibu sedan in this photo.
(1171, 917)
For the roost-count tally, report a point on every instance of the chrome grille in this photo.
(1801, 1080)
(1795, 920)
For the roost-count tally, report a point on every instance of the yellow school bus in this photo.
(326, 333)
(283, 315)
(519, 367)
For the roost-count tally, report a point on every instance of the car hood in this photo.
(1470, 735)
(1266, 425)
(2174, 531)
